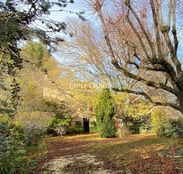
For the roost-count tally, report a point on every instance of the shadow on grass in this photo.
(137, 153)
(129, 144)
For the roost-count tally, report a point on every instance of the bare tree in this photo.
(88, 55)
(149, 36)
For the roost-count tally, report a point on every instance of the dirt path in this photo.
(71, 155)
(89, 154)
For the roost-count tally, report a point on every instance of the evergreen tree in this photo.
(105, 112)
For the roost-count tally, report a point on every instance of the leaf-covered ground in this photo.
(136, 154)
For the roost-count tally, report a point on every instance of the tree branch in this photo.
(144, 81)
(143, 30)
(156, 27)
(133, 92)
(174, 30)
(165, 31)
(146, 96)
(138, 36)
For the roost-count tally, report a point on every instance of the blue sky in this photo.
(80, 5)
(75, 7)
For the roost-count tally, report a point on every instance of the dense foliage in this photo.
(173, 128)
(16, 144)
(105, 112)
(75, 130)
(60, 121)
(17, 18)
(166, 126)
(24, 115)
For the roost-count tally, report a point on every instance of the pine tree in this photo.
(105, 112)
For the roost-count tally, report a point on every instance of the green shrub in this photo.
(105, 111)
(145, 128)
(134, 128)
(172, 128)
(75, 130)
(158, 118)
(12, 145)
(166, 126)
(93, 127)
(108, 129)
(61, 119)
(57, 124)
(15, 145)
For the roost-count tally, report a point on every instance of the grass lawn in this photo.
(135, 154)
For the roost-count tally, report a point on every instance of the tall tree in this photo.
(150, 43)
(105, 111)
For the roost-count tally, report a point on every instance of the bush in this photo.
(158, 118)
(173, 128)
(58, 126)
(12, 146)
(145, 128)
(108, 129)
(15, 146)
(93, 127)
(166, 126)
(61, 119)
(105, 111)
(134, 128)
(75, 130)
